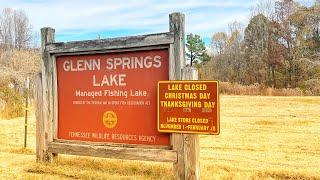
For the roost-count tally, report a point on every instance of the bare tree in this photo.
(15, 29)
(6, 28)
(284, 9)
(265, 7)
(234, 51)
(218, 42)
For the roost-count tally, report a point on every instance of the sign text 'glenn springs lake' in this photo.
(134, 62)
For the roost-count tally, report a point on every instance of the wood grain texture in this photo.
(40, 137)
(176, 23)
(112, 43)
(159, 155)
(172, 69)
(166, 46)
(177, 26)
(178, 145)
(113, 144)
(191, 141)
(47, 36)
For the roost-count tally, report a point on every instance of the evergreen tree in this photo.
(196, 50)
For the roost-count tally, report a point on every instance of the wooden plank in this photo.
(111, 43)
(40, 137)
(113, 144)
(45, 114)
(192, 156)
(191, 141)
(171, 77)
(159, 155)
(177, 25)
(177, 62)
(178, 145)
(114, 50)
(172, 68)
(189, 73)
(47, 36)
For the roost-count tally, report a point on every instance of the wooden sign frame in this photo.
(183, 151)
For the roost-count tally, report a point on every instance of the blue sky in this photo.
(81, 20)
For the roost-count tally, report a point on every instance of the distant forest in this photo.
(279, 48)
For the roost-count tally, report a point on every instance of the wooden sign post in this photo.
(187, 165)
(98, 98)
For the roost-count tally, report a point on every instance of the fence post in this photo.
(27, 90)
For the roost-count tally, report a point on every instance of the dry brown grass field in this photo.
(261, 138)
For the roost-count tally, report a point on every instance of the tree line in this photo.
(15, 29)
(18, 58)
(280, 48)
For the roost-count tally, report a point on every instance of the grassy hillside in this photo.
(261, 138)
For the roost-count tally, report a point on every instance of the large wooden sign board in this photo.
(188, 107)
(99, 98)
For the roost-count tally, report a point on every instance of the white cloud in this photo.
(68, 16)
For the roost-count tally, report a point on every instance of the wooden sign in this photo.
(188, 107)
(111, 97)
(99, 98)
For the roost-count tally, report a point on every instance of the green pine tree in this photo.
(196, 49)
